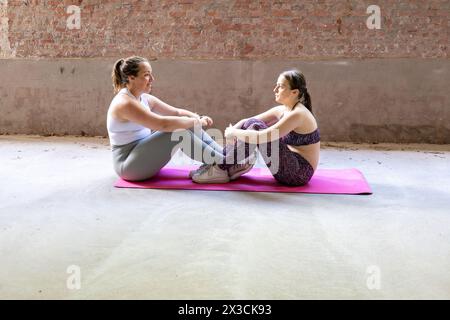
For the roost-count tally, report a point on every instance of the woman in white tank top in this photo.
(140, 126)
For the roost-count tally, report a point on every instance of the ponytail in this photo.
(306, 100)
(116, 75)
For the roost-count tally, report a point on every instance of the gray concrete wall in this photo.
(374, 100)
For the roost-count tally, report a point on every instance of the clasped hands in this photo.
(206, 121)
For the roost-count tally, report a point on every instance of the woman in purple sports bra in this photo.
(287, 137)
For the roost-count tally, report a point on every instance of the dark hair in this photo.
(296, 80)
(123, 68)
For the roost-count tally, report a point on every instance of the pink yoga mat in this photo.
(332, 181)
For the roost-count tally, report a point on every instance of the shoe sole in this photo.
(211, 181)
(240, 173)
(236, 175)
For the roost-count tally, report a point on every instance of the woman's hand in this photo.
(239, 124)
(229, 132)
(206, 119)
(202, 121)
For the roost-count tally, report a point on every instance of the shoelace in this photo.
(203, 168)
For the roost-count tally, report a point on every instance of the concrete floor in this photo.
(58, 208)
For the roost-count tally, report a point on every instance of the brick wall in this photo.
(222, 58)
(237, 29)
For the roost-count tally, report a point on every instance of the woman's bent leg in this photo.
(237, 159)
(152, 153)
(206, 138)
(239, 151)
(287, 167)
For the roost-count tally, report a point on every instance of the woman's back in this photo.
(308, 125)
(124, 132)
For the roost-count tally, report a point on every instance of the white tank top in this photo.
(121, 133)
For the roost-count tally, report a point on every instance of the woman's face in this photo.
(143, 80)
(283, 92)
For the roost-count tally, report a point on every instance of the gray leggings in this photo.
(142, 159)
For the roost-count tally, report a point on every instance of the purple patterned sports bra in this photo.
(296, 139)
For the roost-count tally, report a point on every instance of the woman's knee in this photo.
(254, 124)
(141, 171)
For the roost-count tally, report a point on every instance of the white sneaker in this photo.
(238, 170)
(212, 175)
(199, 170)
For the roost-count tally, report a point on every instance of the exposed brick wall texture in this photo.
(237, 29)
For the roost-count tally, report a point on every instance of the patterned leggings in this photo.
(291, 168)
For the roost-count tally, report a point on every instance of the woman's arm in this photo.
(239, 124)
(187, 113)
(166, 109)
(133, 111)
(270, 116)
(278, 130)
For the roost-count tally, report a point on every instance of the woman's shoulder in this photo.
(278, 111)
(122, 100)
(149, 100)
(297, 112)
(303, 117)
(147, 96)
(119, 104)
(308, 119)
(303, 111)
